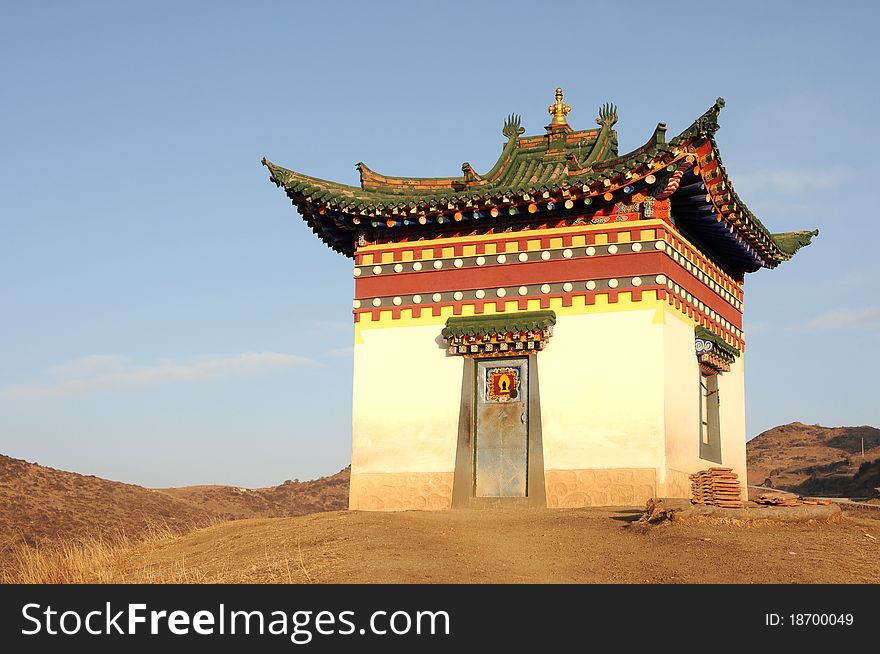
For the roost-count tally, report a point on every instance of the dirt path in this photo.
(513, 546)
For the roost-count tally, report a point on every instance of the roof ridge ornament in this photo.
(512, 127)
(607, 115)
(559, 110)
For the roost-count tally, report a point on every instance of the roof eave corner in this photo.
(789, 243)
(707, 124)
(273, 172)
(364, 172)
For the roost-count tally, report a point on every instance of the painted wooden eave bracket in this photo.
(499, 334)
(712, 351)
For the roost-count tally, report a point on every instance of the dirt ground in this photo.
(514, 546)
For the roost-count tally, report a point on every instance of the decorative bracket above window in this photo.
(499, 334)
(713, 352)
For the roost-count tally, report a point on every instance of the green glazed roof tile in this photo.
(705, 335)
(501, 323)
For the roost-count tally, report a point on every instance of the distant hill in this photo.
(39, 503)
(291, 498)
(815, 460)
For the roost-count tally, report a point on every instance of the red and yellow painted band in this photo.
(702, 317)
(568, 304)
(504, 243)
(647, 264)
(546, 239)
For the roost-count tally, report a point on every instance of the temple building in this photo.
(563, 330)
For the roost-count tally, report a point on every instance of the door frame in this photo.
(481, 366)
(464, 480)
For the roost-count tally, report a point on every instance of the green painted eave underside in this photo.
(725, 347)
(501, 323)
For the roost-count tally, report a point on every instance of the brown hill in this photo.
(816, 460)
(291, 498)
(39, 504)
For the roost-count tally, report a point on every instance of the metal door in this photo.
(502, 428)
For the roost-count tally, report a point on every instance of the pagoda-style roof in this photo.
(559, 172)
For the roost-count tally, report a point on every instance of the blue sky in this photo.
(165, 316)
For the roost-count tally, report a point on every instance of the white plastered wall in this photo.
(406, 401)
(682, 412)
(601, 382)
(619, 390)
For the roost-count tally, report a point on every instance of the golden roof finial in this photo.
(559, 111)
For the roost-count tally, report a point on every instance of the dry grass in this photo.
(163, 554)
(93, 559)
(62, 527)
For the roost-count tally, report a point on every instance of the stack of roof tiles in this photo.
(716, 487)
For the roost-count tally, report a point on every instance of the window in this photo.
(710, 428)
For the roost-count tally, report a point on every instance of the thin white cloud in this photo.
(788, 181)
(862, 318)
(105, 371)
(341, 352)
(92, 364)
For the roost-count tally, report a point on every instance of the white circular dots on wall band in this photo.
(545, 288)
(567, 253)
(591, 285)
(357, 272)
(612, 249)
(660, 245)
(567, 287)
(545, 255)
(398, 267)
(436, 297)
(356, 304)
(523, 256)
(377, 270)
(417, 266)
(397, 301)
(438, 264)
(458, 296)
(660, 279)
(480, 294)
(458, 263)
(523, 290)
(591, 251)
(417, 299)
(501, 258)
(636, 247)
(481, 261)
(636, 281)
(613, 283)
(501, 292)
(377, 302)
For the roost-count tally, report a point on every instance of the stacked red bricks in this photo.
(716, 487)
